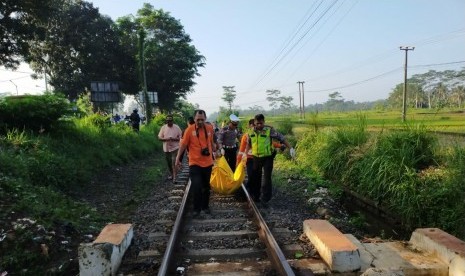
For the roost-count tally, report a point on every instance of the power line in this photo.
(308, 38)
(296, 43)
(15, 78)
(359, 82)
(291, 37)
(324, 39)
(391, 52)
(340, 87)
(334, 88)
(436, 64)
(12, 71)
(440, 37)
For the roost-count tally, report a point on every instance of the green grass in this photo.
(40, 175)
(449, 121)
(408, 168)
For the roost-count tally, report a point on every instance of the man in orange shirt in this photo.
(242, 154)
(199, 139)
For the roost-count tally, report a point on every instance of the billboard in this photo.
(153, 97)
(104, 91)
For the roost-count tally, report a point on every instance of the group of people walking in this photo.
(204, 145)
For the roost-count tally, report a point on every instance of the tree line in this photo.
(72, 44)
(433, 89)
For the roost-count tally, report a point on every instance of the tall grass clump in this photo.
(452, 184)
(401, 171)
(285, 127)
(394, 158)
(331, 151)
(309, 148)
(314, 121)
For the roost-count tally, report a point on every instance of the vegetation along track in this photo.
(233, 239)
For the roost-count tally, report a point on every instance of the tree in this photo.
(335, 101)
(185, 108)
(20, 22)
(79, 46)
(257, 109)
(441, 94)
(458, 95)
(229, 95)
(273, 97)
(435, 86)
(415, 96)
(170, 59)
(286, 102)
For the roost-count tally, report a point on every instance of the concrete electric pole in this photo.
(15, 86)
(300, 101)
(404, 97)
(302, 104)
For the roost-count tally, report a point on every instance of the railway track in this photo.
(233, 239)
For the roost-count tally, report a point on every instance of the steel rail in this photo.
(274, 252)
(166, 261)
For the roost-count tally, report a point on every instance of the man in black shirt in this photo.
(135, 120)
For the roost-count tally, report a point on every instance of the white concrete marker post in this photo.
(339, 253)
(448, 248)
(104, 255)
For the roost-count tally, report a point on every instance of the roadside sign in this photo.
(153, 97)
(104, 91)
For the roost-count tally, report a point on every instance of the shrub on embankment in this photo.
(32, 112)
(41, 173)
(404, 171)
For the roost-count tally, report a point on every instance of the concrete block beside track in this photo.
(104, 255)
(446, 247)
(397, 258)
(339, 253)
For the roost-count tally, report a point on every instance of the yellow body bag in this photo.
(223, 180)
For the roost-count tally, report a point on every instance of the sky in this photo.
(350, 47)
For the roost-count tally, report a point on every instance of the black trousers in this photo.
(200, 186)
(249, 167)
(260, 164)
(230, 156)
(135, 127)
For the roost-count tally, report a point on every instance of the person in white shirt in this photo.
(170, 134)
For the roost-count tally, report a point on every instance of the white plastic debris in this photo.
(180, 270)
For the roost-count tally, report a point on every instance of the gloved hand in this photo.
(292, 152)
(222, 151)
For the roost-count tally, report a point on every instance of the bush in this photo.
(32, 112)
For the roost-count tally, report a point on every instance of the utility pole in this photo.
(46, 58)
(302, 99)
(46, 82)
(404, 97)
(147, 107)
(15, 86)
